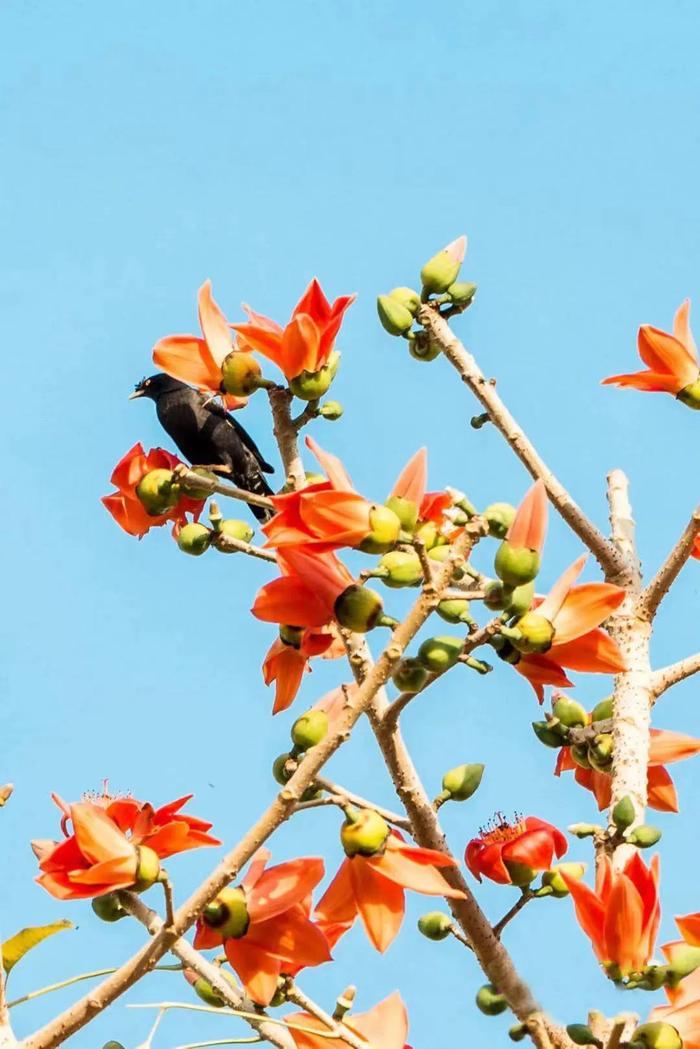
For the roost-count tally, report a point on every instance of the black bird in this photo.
(207, 435)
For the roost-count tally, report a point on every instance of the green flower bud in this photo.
(410, 675)
(553, 878)
(236, 529)
(394, 316)
(158, 492)
(108, 907)
(532, 633)
(358, 608)
(581, 1034)
(579, 753)
(497, 595)
(423, 348)
(656, 1035)
(407, 297)
(644, 837)
(442, 269)
(440, 554)
(516, 566)
(584, 830)
(194, 539)
(280, 768)
(147, 868)
(309, 729)
(602, 711)
(400, 568)
(438, 654)
(489, 1001)
(309, 386)
(690, 395)
(546, 735)
(363, 833)
(112, 1044)
(406, 511)
(194, 490)
(428, 534)
(520, 599)
(228, 914)
(204, 990)
(569, 712)
(517, 1032)
(462, 293)
(499, 517)
(385, 527)
(241, 374)
(623, 813)
(600, 752)
(456, 610)
(435, 925)
(331, 410)
(463, 781)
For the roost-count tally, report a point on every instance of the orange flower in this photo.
(510, 854)
(411, 485)
(621, 918)
(125, 506)
(115, 843)
(307, 341)
(264, 923)
(570, 617)
(306, 592)
(288, 660)
(371, 883)
(664, 748)
(672, 361)
(385, 1025)
(199, 360)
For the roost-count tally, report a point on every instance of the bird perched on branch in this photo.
(207, 435)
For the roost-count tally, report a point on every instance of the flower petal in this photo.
(214, 325)
(188, 359)
(282, 886)
(584, 608)
(529, 526)
(380, 903)
(413, 479)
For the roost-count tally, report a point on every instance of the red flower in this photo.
(307, 341)
(411, 485)
(125, 506)
(114, 840)
(621, 918)
(510, 854)
(372, 886)
(385, 1025)
(286, 662)
(306, 592)
(264, 924)
(198, 361)
(664, 748)
(672, 361)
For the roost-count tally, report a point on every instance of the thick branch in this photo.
(666, 575)
(485, 392)
(674, 673)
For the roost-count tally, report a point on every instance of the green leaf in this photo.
(14, 949)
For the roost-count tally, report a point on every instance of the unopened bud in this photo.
(435, 925)
(112, 1044)
(394, 316)
(400, 568)
(496, 595)
(363, 833)
(410, 675)
(228, 914)
(331, 410)
(623, 813)
(516, 565)
(553, 878)
(358, 608)
(520, 599)
(192, 489)
(194, 539)
(423, 348)
(569, 712)
(581, 1034)
(489, 1001)
(656, 1035)
(602, 711)
(600, 752)
(309, 729)
(499, 517)
(455, 610)
(108, 907)
(584, 830)
(241, 374)
(517, 1032)
(546, 735)
(406, 511)
(236, 529)
(385, 527)
(462, 293)
(644, 837)
(407, 297)
(442, 269)
(204, 990)
(158, 492)
(463, 781)
(438, 654)
(283, 768)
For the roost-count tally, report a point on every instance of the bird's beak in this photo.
(135, 394)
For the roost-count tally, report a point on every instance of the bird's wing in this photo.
(216, 409)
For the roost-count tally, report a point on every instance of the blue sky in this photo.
(147, 147)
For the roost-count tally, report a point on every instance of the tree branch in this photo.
(184, 473)
(286, 435)
(341, 1032)
(666, 575)
(340, 796)
(663, 679)
(485, 392)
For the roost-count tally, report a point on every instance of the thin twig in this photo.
(228, 544)
(295, 995)
(522, 900)
(663, 679)
(184, 473)
(662, 582)
(341, 797)
(485, 392)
